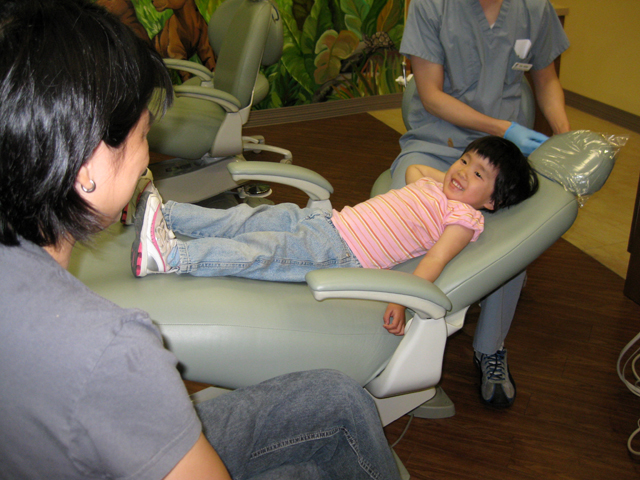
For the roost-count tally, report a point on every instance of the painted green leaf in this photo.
(328, 67)
(370, 22)
(357, 8)
(354, 24)
(318, 21)
(149, 17)
(294, 62)
(300, 10)
(337, 15)
(390, 15)
(395, 34)
(331, 49)
(340, 45)
(292, 54)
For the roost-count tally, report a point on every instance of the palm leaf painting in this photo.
(333, 49)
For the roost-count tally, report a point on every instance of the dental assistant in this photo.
(468, 58)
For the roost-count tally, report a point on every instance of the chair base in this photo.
(256, 144)
(440, 406)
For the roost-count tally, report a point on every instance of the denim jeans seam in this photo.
(307, 437)
(366, 466)
(266, 261)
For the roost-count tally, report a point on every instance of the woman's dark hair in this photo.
(516, 180)
(71, 76)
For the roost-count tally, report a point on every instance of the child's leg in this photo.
(199, 222)
(311, 242)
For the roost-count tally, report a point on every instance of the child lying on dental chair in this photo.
(435, 215)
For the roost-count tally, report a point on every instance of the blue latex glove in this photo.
(526, 139)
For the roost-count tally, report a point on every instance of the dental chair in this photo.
(202, 132)
(232, 332)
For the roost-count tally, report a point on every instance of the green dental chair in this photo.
(232, 332)
(202, 131)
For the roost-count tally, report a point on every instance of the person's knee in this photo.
(334, 382)
(329, 379)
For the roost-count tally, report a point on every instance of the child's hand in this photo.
(394, 319)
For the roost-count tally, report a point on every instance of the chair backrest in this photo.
(527, 103)
(245, 34)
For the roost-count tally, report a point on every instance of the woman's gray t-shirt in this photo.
(86, 387)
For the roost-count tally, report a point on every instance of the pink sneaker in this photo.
(154, 241)
(145, 184)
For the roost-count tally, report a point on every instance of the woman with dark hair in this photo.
(87, 388)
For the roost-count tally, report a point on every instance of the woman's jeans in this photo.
(310, 425)
(269, 242)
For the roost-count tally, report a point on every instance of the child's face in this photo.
(471, 180)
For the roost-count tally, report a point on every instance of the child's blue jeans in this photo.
(269, 242)
(307, 425)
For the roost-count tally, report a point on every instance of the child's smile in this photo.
(471, 180)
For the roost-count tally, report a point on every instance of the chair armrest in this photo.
(200, 71)
(225, 100)
(417, 294)
(417, 362)
(310, 182)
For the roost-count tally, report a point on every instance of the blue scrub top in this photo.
(477, 60)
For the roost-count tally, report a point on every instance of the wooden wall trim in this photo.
(602, 110)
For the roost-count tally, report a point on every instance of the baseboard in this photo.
(602, 110)
(316, 111)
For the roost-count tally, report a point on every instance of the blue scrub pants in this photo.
(306, 425)
(499, 307)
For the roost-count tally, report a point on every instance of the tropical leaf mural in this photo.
(333, 49)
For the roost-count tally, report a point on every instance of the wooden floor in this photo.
(573, 415)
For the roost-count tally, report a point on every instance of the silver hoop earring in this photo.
(89, 190)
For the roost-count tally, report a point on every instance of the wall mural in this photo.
(333, 49)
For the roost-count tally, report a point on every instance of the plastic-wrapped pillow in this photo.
(580, 160)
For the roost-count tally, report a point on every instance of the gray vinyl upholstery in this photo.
(233, 332)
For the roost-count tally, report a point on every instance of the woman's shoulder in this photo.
(48, 310)
(82, 365)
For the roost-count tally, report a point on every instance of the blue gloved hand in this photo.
(526, 139)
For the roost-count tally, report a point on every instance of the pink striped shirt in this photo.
(402, 224)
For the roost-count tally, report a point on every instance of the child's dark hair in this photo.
(516, 180)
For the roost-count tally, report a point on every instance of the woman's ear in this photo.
(85, 183)
(91, 172)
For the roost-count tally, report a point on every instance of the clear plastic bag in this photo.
(580, 160)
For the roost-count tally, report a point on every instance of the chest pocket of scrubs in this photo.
(515, 75)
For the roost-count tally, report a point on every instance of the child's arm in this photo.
(451, 242)
(416, 172)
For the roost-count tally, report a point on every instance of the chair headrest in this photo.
(580, 160)
(222, 18)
